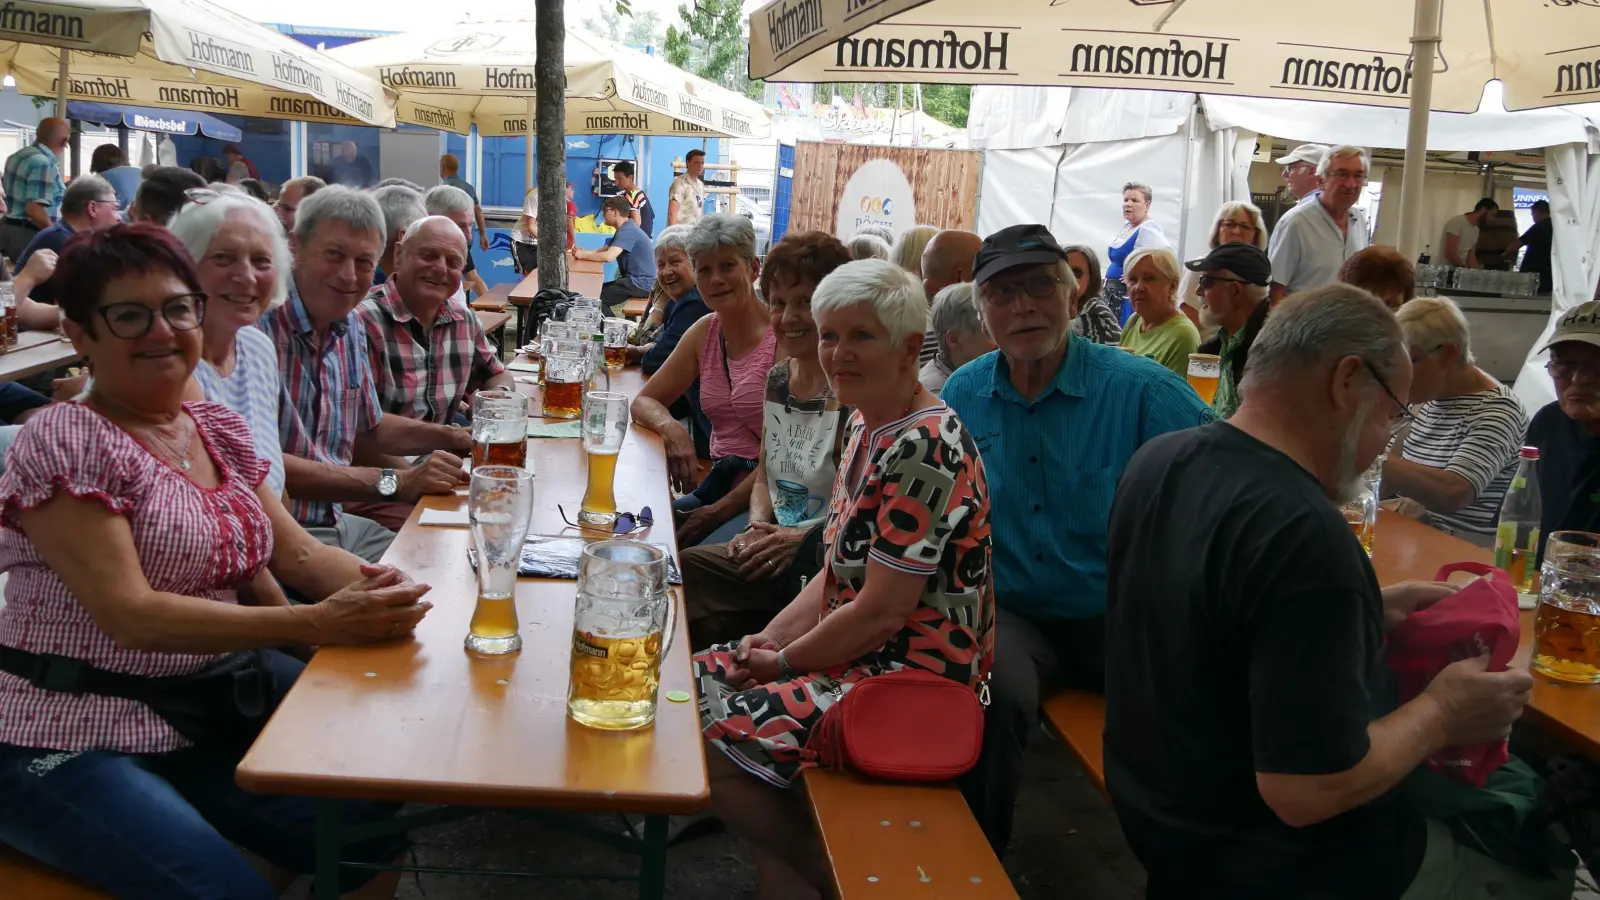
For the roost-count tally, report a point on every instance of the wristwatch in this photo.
(784, 669)
(388, 483)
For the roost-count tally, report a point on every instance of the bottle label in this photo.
(1505, 539)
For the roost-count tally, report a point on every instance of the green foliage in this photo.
(711, 43)
(949, 103)
(626, 28)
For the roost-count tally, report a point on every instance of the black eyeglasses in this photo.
(626, 523)
(131, 321)
(1406, 418)
(1565, 369)
(1206, 281)
(1003, 293)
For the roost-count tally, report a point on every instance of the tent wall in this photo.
(1448, 194)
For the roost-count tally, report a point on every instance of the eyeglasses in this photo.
(131, 321)
(1342, 175)
(1419, 357)
(1004, 292)
(1405, 418)
(1567, 369)
(1209, 281)
(1236, 226)
(626, 523)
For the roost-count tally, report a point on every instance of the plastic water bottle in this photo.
(1516, 540)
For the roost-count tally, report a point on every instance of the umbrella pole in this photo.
(62, 71)
(1424, 47)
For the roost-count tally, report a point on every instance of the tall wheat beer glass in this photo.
(499, 506)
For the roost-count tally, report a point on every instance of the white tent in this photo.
(1195, 151)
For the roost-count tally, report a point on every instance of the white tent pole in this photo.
(527, 165)
(1424, 47)
(62, 71)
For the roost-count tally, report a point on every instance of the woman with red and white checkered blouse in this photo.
(140, 539)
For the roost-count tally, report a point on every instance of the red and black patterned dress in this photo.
(921, 505)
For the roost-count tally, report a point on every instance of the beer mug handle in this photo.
(669, 629)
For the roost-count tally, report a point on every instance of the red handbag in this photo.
(1480, 618)
(907, 725)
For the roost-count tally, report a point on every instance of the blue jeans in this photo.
(164, 826)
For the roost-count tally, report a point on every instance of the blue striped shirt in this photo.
(1053, 465)
(255, 391)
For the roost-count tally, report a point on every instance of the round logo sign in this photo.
(877, 194)
(455, 45)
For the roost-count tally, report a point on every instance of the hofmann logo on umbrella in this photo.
(305, 107)
(354, 99)
(1376, 74)
(201, 96)
(433, 117)
(463, 43)
(495, 79)
(20, 19)
(619, 123)
(114, 88)
(1171, 60)
(948, 52)
(405, 76)
(1581, 77)
(735, 124)
(791, 23)
(694, 109)
(203, 48)
(287, 70)
(650, 95)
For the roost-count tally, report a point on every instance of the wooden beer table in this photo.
(36, 352)
(420, 719)
(583, 275)
(1406, 549)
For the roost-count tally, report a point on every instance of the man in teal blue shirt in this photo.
(1056, 419)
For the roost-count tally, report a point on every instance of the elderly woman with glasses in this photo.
(905, 582)
(1237, 222)
(1461, 451)
(1157, 329)
(242, 260)
(729, 354)
(141, 543)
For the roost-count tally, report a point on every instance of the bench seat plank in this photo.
(24, 878)
(1080, 718)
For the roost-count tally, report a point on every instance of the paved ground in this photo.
(1067, 844)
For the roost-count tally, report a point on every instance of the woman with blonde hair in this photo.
(1237, 221)
(907, 250)
(1157, 329)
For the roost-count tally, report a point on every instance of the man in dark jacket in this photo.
(1234, 283)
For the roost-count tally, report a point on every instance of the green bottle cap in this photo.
(678, 696)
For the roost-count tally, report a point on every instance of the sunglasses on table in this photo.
(626, 523)
(131, 321)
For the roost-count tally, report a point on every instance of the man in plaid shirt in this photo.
(33, 187)
(338, 444)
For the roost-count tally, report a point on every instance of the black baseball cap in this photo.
(1247, 261)
(1018, 245)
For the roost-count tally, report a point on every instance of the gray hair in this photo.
(867, 246)
(1311, 330)
(399, 182)
(907, 249)
(401, 206)
(1344, 151)
(416, 226)
(338, 203)
(722, 230)
(1141, 187)
(881, 232)
(1252, 211)
(954, 309)
(673, 238)
(894, 294)
(446, 199)
(196, 225)
(84, 190)
(1165, 261)
(1431, 322)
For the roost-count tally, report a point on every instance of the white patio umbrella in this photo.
(1358, 51)
(180, 54)
(481, 73)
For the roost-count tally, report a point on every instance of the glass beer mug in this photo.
(566, 373)
(499, 429)
(499, 505)
(616, 342)
(620, 634)
(1361, 514)
(605, 424)
(1566, 629)
(1204, 371)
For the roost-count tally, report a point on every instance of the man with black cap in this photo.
(1055, 418)
(1567, 432)
(1235, 280)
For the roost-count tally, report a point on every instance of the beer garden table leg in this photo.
(653, 867)
(330, 840)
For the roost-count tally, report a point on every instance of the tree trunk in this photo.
(550, 85)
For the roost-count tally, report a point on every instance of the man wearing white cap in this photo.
(1300, 170)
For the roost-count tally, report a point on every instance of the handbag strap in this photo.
(66, 675)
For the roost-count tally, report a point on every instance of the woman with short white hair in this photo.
(1461, 453)
(243, 262)
(1158, 330)
(959, 331)
(868, 246)
(906, 584)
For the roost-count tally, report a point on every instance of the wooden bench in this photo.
(495, 300)
(24, 878)
(896, 840)
(1080, 718)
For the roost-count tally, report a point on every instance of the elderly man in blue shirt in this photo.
(1056, 419)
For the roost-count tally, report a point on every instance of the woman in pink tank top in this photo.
(729, 354)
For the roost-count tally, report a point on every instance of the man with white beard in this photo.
(1250, 747)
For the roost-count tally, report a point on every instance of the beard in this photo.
(1350, 482)
(1208, 319)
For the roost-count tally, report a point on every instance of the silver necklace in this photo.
(173, 454)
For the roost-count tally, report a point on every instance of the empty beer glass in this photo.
(1566, 629)
(620, 634)
(605, 424)
(499, 505)
(1204, 370)
(566, 373)
(617, 331)
(499, 429)
(1362, 513)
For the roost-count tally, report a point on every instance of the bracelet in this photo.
(784, 669)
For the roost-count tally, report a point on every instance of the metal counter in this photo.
(1503, 329)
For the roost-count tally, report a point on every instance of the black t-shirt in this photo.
(1537, 239)
(1244, 633)
(1569, 473)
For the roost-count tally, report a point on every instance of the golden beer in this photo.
(1567, 642)
(616, 357)
(505, 453)
(599, 499)
(1204, 371)
(614, 679)
(494, 624)
(1363, 529)
(563, 400)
